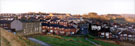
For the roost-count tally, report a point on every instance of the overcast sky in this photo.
(69, 6)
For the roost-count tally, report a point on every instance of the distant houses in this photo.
(102, 31)
(67, 24)
(83, 28)
(127, 35)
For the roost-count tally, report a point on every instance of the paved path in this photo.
(39, 42)
(92, 42)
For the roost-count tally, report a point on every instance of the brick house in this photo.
(58, 29)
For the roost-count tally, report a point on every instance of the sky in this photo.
(68, 6)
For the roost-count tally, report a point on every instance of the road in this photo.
(92, 42)
(39, 42)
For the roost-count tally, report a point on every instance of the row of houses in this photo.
(105, 30)
(127, 35)
(58, 29)
(28, 27)
(62, 27)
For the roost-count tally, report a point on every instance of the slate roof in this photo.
(56, 25)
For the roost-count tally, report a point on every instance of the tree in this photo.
(51, 14)
(92, 14)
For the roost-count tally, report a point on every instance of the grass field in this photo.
(70, 41)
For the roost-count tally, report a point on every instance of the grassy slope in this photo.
(9, 39)
(103, 43)
(60, 42)
(70, 41)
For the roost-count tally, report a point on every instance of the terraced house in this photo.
(26, 27)
(127, 35)
(58, 28)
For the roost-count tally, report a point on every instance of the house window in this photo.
(55, 28)
(55, 31)
(43, 27)
(102, 33)
(107, 34)
(121, 35)
(24, 31)
(96, 28)
(44, 30)
(129, 35)
(72, 32)
(61, 31)
(51, 27)
(82, 28)
(125, 34)
(62, 28)
(51, 30)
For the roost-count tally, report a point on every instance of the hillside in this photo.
(56, 40)
(9, 39)
(120, 18)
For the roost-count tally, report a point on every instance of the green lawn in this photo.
(70, 41)
(103, 43)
